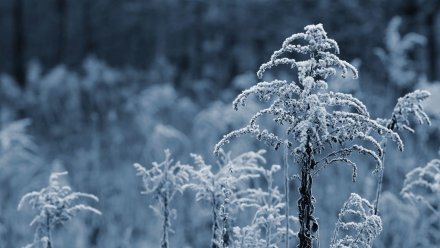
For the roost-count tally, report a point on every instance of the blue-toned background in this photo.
(93, 86)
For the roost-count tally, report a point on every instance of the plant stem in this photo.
(164, 243)
(305, 204)
(214, 222)
(286, 189)
(49, 238)
(225, 229)
(380, 181)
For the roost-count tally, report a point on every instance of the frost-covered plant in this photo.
(221, 189)
(164, 180)
(312, 116)
(408, 105)
(247, 237)
(266, 229)
(423, 185)
(56, 204)
(401, 69)
(357, 225)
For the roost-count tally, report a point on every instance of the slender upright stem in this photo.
(49, 236)
(391, 125)
(164, 243)
(269, 224)
(380, 180)
(225, 228)
(286, 189)
(214, 222)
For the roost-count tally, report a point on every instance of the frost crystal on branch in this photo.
(56, 204)
(357, 226)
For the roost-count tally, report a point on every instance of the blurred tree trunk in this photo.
(195, 50)
(61, 9)
(161, 28)
(18, 46)
(433, 24)
(426, 14)
(89, 45)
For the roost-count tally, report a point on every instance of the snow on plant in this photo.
(164, 180)
(313, 117)
(247, 237)
(423, 185)
(401, 69)
(410, 104)
(357, 225)
(222, 189)
(56, 204)
(267, 228)
(431, 104)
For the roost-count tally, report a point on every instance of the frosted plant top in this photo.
(322, 51)
(312, 116)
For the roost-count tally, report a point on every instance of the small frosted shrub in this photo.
(357, 226)
(56, 204)
(222, 191)
(164, 180)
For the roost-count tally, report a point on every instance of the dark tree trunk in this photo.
(89, 45)
(305, 203)
(432, 39)
(61, 8)
(19, 63)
